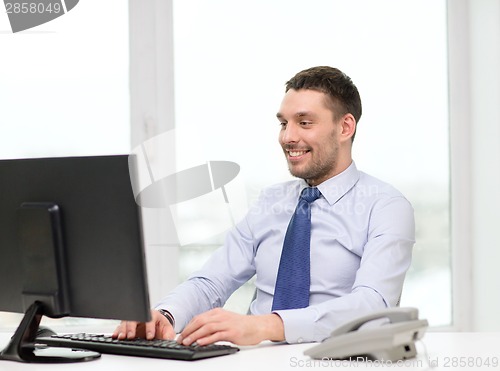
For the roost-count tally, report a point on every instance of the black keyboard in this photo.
(168, 349)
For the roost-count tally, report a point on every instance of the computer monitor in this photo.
(71, 244)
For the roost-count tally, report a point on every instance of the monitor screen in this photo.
(71, 238)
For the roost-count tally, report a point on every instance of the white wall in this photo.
(474, 39)
(485, 143)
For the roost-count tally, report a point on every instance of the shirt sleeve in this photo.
(379, 279)
(226, 270)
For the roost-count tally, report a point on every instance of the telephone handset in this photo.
(391, 340)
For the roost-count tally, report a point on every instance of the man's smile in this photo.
(296, 154)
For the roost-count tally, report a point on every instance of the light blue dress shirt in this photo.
(362, 235)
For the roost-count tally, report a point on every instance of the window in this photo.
(64, 84)
(231, 60)
(64, 89)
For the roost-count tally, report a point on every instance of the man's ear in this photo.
(348, 126)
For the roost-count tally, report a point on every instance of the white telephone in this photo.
(391, 340)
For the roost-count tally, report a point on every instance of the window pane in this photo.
(232, 60)
(64, 89)
(64, 84)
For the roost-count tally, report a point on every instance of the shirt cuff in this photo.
(179, 320)
(298, 325)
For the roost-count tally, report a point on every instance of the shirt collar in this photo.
(334, 188)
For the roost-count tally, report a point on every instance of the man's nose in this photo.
(289, 134)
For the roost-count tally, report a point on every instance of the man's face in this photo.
(308, 135)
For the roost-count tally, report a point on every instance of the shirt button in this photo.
(300, 340)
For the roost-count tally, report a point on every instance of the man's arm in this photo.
(226, 270)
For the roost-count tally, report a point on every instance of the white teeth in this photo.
(296, 153)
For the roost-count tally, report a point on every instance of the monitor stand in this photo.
(23, 347)
(45, 290)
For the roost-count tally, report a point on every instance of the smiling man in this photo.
(315, 139)
(333, 244)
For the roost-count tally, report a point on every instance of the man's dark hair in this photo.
(343, 94)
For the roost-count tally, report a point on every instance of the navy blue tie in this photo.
(294, 278)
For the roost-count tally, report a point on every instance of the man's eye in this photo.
(305, 123)
(283, 124)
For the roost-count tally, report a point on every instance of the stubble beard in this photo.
(318, 169)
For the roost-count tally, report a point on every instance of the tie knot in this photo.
(310, 194)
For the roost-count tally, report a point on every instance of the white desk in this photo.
(446, 351)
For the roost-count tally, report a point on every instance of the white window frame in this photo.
(460, 152)
(152, 113)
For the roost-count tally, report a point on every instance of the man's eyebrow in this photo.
(304, 113)
(299, 114)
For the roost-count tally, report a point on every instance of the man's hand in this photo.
(221, 325)
(158, 328)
